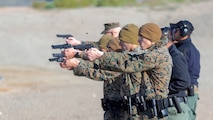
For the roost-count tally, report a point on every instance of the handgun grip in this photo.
(177, 104)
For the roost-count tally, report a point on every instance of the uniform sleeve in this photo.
(82, 55)
(85, 69)
(95, 44)
(124, 62)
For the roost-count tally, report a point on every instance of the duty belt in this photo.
(159, 106)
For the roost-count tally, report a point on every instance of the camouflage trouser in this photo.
(122, 115)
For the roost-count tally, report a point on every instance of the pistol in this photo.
(58, 55)
(64, 35)
(83, 47)
(177, 104)
(62, 46)
(78, 47)
(57, 59)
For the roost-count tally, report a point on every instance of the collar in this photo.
(156, 45)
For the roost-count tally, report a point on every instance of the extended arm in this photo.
(87, 69)
(124, 62)
(96, 74)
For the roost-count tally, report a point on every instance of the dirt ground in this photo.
(32, 88)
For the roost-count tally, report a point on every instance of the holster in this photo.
(177, 104)
(159, 107)
(175, 101)
(112, 106)
(191, 91)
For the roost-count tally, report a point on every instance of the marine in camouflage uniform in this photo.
(129, 84)
(155, 67)
(111, 87)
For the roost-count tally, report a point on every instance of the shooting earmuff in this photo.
(185, 27)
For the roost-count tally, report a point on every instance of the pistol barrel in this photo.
(63, 46)
(58, 55)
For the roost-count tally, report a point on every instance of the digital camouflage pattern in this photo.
(88, 70)
(147, 72)
(155, 66)
(116, 86)
(156, 63)
(132, 82)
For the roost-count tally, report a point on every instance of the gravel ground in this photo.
(32, 88)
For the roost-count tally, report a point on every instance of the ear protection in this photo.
(185, 27)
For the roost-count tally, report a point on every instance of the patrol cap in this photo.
(103, 41)
(108, 26)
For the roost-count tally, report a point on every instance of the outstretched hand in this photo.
(93, 54)
(70, 64)
(72, 41)
(69, 53)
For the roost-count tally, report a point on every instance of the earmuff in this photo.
(185, 27)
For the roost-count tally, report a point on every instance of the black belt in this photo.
(179, 99)
(159, 106)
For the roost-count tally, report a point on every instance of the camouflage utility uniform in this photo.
(117, 85)
(154, 67)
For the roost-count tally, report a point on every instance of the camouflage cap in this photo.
(103, 41)
(108, 26)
